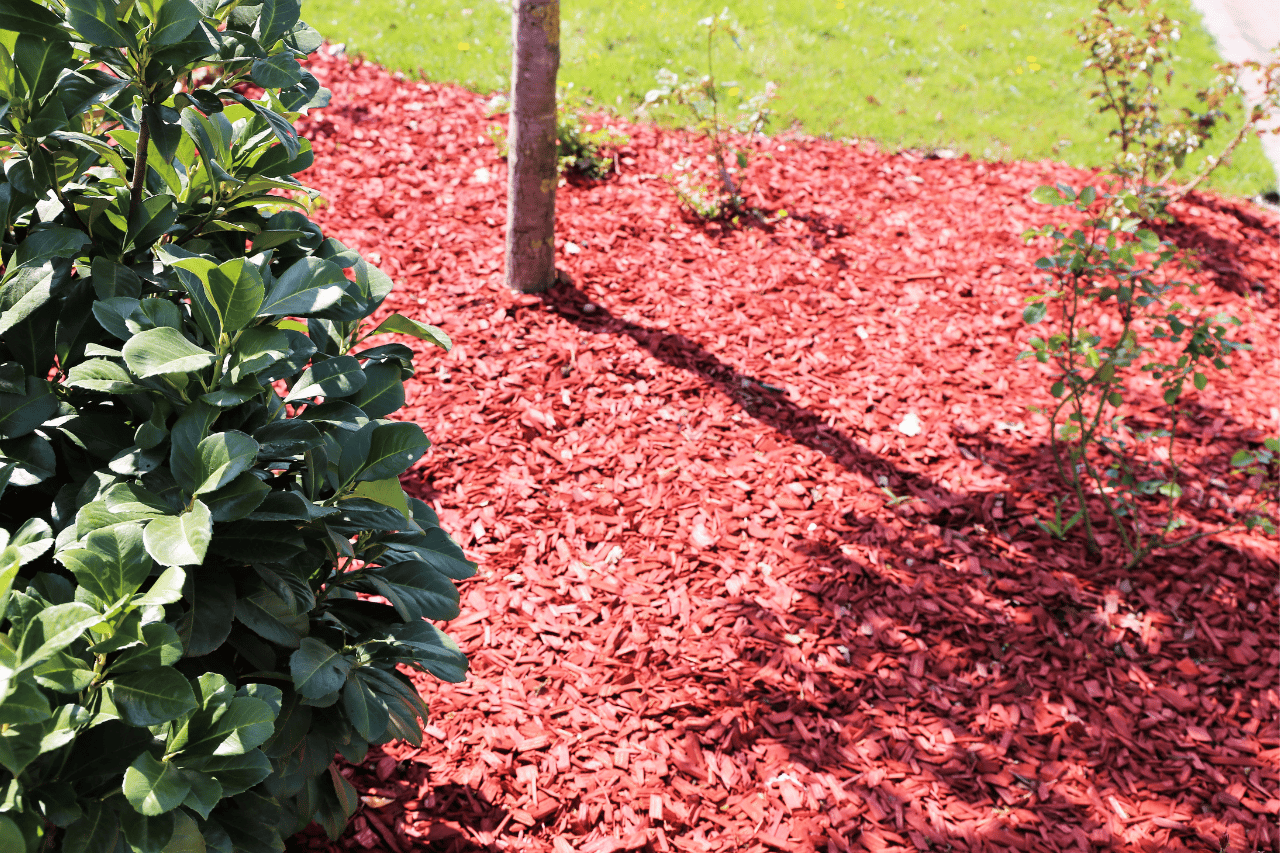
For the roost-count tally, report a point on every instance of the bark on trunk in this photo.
(531, 163)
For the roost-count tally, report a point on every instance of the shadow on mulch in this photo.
(1226, 261)
(445, 809)
(1003, 636)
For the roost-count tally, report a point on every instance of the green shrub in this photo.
(1115, 312)
(197, 473)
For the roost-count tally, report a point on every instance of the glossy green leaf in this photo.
(25, 16)
(309, 286)
(220, 458)
(432, 649)
(238, 498)
(180, 540)
(279, 71)
(96, 21)
(276, 19)
(154, 787)
(162, 647)
(383, 391)
(333, 377)
(416, 591)
(235, 773)
(243, 724)
(272, 618)
(25, 704)
(64, 673)
(112, 564)
(175, 21)
(40, 61)
(387, 492)
(107, 377)
(164, 350)
(187, 837)
(392, 449)
(53, 629)
(400, 324)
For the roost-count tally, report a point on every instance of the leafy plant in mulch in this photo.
(1131, 50)
(701, 96)
(1116, 314)
(198, 476)
(583, 148)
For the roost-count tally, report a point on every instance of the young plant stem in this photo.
(1212, 162)
(140, 163)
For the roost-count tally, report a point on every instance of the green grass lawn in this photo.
(999, 80)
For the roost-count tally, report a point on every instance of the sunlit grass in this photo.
(1000, 80)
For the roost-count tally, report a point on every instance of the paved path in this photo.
(1243, 30)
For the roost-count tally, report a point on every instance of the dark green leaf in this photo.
(46, 243)
(333, 377)
(284, 439)
(1034, 313)
(64, 673)
(238, 498)
(152, 696)
(147, 834)
(96, 21)
(162, 648)
(392, 449)
(211, 600)
(97, 832)
(277, 18)
(383, 391)
(175, 21)
(318, 670)
(98, 374)
(40, 61)
(20, 414)
(236, 773)
(429, 647)
(416, 591)
(271, 618)
(150, 221)
(365, 709)
(24, 704)
(24, 16)
(279, 71)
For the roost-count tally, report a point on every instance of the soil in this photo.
(725, 600)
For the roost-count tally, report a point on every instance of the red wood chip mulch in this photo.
(700, 622)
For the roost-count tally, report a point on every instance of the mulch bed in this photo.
(700, 622)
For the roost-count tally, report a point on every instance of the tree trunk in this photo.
(531, 161)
